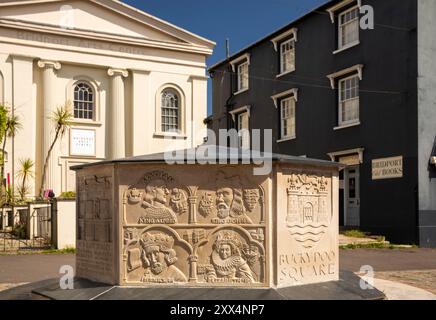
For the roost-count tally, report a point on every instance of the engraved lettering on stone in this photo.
(307, 217)
(159, 258)
(298, 266)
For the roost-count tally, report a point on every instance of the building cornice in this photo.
(105, 37)
(134, 14)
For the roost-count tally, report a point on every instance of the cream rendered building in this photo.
(132, 79)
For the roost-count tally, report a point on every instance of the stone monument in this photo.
(143, 222)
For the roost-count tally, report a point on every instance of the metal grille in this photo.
(25, 228)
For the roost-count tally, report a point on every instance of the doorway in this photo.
(352, 196)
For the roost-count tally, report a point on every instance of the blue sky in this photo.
(242, 21)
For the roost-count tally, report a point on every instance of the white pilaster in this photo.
(141, 110)
(116, 129)
(24, 106)
(49, 106)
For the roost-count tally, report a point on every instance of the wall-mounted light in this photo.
(433, 160)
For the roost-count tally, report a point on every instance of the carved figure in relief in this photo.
(230, 207)
(226, 260)
(159, 258)
(251, 198)
(135, 196)
(156, 204)
(178, 201)
(207, 206)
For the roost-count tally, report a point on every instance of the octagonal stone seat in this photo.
(144, 222)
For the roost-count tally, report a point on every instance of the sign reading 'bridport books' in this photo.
(387, 168)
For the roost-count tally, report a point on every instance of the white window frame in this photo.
(97, 89)
(181, 132)
(341, 45)
(283, 45)
(94, 101)
(241, 60)
(2, 91)
(356, 121)
(244, 133)
(293, 109)
(241, 75)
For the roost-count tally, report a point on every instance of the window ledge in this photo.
(286, 139)
(86, 123)
(348, 46)
(241, 91)
(170, 135)
(285, 73)
(345, 126)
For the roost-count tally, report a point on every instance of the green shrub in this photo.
(355, 234)
(19, 231)
(68, 195)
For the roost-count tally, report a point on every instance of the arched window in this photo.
(1, 88)
(84, 101)
(170, 111)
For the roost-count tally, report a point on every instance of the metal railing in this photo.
(26, 228)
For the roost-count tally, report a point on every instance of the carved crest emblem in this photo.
(308, 214)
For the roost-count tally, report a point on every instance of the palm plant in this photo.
(9, 126)
(12, 126)
(25, 172)
(61, 118)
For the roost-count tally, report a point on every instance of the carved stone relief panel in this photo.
(155, 255)
(214, 224)
(308, 216)
(231, 257)
(95, 254)
(221, 256)
(306, 237)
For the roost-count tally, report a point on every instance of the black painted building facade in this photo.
(331, 88)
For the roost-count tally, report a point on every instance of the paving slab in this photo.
(346, 289)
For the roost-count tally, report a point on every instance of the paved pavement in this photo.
(31, 268)
(383, 260)
(414, 267)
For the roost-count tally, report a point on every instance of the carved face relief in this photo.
(156, 258)
(225, 251)
(159, 258)
(227, 263)
(224, 198)
(155, 204)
